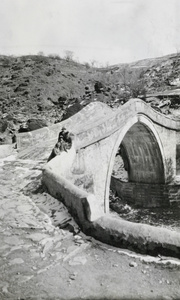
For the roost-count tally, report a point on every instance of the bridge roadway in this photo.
(81, 177)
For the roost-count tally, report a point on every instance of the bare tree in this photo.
(69, 55)
(107, 65)
(93, 63)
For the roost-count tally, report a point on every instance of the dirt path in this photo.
(44, 255)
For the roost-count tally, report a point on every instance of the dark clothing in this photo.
(61, 134)
(55, 151)
(62, 146)
(65, 139)
(64, 143)
(68, 140)
(14, 138)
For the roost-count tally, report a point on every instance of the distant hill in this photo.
(159, 73)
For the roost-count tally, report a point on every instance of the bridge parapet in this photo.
(74, 124)
(97, 121)
(103, 127)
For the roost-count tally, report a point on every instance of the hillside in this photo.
(158, 74)
(37, 90)
(34, 85)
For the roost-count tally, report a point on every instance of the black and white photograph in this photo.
(89, 149)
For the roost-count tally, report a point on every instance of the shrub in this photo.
(55, 56)
(69, 55)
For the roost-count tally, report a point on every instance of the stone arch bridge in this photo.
(82, 176)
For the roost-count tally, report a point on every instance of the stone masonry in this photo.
(149, 138)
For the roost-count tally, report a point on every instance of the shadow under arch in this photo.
(144, 152)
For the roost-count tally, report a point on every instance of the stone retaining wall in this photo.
(145, 194)
(138, 237)
(174, 194)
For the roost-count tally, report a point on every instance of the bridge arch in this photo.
(144, 153)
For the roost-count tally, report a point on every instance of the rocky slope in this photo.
(37, 87)
(36, 91)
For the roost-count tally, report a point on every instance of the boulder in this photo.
(71, 110)
(3, 125)
(33, 124)
(99, 87)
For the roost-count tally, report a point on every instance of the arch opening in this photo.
(138, 175)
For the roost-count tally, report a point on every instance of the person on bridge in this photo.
(65, 137)
(62, 133)
(63, 144)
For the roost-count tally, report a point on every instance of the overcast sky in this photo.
(108, 31)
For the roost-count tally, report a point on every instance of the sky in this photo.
(106, 31)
